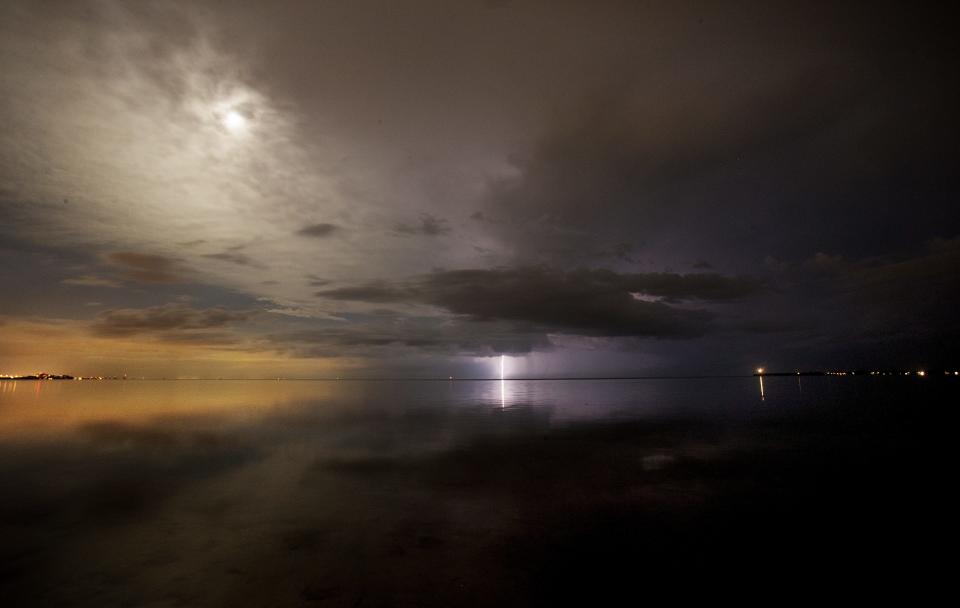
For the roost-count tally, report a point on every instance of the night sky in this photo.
(357, 189)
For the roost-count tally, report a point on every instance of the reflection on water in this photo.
(436, 493)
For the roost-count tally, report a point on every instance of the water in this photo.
(453, 493)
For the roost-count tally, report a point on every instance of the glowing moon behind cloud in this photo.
(234, 121)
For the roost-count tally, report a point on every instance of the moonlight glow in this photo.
(235, 122)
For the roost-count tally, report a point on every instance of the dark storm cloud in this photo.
(885, 311)
(394, 336)
(588, 302)
(606, 175)
(621, 251)
(737, 152)
(166, 318)
(146, 267)
(456, 288)
(378, 292)
(899, 296)
(428, 225)
(319, 230)
(203, 338)
(241, 259)
(89, 280)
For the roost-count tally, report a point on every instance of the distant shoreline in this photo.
(524, 379)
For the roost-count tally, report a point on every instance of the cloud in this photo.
(146, 267)
(588, 302)
(375, 292)
(912, 295)
(89, 280)
(429, 225)
(241, 259)
(390, 337)
(318, 230)
(674, 134)
(166, 318)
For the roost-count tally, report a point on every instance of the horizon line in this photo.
(494, 379)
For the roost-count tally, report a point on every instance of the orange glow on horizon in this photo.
(66, 346)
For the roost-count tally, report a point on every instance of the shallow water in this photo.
(452, 493)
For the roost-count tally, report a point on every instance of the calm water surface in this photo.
(266, 493)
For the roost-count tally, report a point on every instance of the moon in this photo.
(235, 122)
